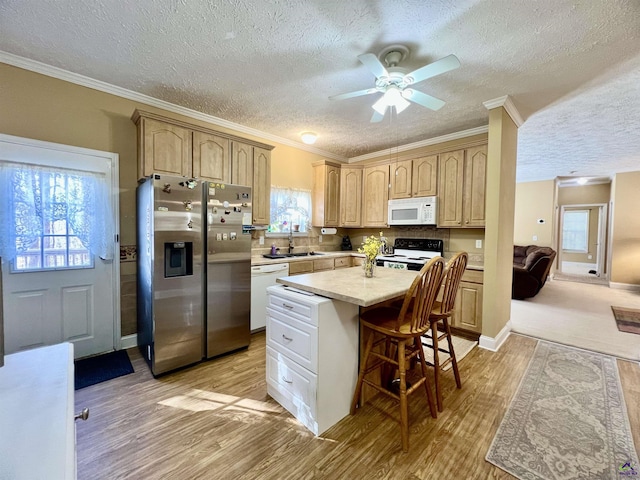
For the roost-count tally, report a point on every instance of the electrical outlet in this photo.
(364, 238)
(319, 238)
(261, 240)
(478, 243)
(535, 238)
(590, 257)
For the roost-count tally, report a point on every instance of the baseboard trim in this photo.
(632, 287)
(129, 341)
(494, 343)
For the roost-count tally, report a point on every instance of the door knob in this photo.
(83, 415)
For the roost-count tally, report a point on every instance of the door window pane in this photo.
(575, 231)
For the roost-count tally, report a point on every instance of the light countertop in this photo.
(350, 285)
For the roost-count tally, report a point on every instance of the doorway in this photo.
(62, 275)
(582, 242)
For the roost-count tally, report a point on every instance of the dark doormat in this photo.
(101, 368)
(627, 319)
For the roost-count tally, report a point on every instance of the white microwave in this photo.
(413, 211)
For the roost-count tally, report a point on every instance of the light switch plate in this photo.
(261, 240)
(478, 243)
(319, 238)
(535, 238)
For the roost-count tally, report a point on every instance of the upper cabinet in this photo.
(461, 187)
(350, 196)
(326, 194)
(414, 178)
(261, 186)
(163, 148)
(375, 196)
(211, 158)
(170, 146)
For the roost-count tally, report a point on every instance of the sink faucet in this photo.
(291, 246)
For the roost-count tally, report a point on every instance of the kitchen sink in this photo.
(289, 255)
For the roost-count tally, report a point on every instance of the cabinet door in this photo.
(475, 181)
(242, 164)
(400, 177)
(468, 307)
(375, 196)
(211, 158)
(424, 176)
(261, 186)
(450, 188)
(350, 197)
(326, 196)
(164, 148)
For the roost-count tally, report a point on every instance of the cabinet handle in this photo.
(467, 221)
(287, 306)
(83, 415)
(287, 338)
(287, 381)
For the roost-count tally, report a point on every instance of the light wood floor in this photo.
(215, 421)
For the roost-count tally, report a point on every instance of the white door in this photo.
(57, 290)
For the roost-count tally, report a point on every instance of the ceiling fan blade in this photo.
(370, 61)
(376, 117)
(357, 93)
(423, 99)
(450, 62)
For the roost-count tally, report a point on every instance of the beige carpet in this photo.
(577, 314)
(567, 420)
(461, 346)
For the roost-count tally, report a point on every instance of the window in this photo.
(290, 208)
(53, 218)
(575, 231)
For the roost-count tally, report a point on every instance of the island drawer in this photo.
(286, 304)
(342, 262)
(293, 338)
(293, 386)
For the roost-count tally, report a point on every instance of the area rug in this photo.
(627, 319)
(568, 420)
(101, 368)
(461, 346)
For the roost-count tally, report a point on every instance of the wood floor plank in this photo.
(216, 421)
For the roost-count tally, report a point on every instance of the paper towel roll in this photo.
(328, 231)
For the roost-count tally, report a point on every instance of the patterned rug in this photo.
(627, 319)
(568, 420)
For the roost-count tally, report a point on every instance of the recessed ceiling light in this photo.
(309, 137)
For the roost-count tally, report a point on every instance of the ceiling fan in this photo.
(394, 82)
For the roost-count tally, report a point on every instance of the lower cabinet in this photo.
(467, 313)
(318, 265)
(312, 356)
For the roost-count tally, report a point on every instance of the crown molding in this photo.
(508, 105)
(423, 143)
(76, 78)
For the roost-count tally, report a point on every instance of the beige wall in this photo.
(625, 236)
(534, 201)
(584, 195)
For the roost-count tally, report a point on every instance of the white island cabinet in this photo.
(312, 355)
(37, 431)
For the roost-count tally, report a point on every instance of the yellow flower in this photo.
(371, 246)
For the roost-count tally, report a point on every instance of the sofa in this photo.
(531, 266)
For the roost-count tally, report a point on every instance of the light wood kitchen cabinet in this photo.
(461, 188)
(323, 264)
(414, 178)
(211, 158)
(303, 266)
(163, 148)
(350, 196)
(342, 262)
(241, 164)
(467, 313)
(261, 186)
(326, 195)
(375, 196)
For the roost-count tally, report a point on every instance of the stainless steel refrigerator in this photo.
(170, 272)
(227, 210)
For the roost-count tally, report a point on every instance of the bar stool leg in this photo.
(436, 364)
(454, 361)
(363, 368)
(423, 365)
(404, 413)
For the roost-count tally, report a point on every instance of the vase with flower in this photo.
(371, 248)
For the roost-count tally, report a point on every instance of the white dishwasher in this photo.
(263, 276)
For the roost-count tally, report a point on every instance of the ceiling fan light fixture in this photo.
(308, 137)
(393, 98)
(380, 106)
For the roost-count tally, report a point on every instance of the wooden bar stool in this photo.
(403, 329)
(439, 317)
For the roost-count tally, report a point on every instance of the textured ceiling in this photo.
(572, 68)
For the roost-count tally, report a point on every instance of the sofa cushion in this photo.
(520, 251)
(535, 255)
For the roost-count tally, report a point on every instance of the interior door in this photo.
(79, 305)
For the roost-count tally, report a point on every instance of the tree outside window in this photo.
(290, 209)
